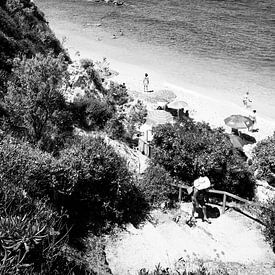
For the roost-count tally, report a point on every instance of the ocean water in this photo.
(221, 47)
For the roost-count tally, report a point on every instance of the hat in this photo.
(202, 183)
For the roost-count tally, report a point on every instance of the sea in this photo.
(222, 48)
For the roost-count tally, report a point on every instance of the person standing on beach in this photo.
(246, 100)
(146, 82)
(254, 120)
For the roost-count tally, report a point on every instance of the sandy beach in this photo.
(95, 44)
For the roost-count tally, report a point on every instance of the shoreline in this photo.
(203, 107)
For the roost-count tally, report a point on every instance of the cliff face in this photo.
(23, 31)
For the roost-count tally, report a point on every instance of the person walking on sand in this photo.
(146, 82)
(199, 195)
(246, 100)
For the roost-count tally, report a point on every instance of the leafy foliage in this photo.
(268, 217)
(88, 179)
(36, 106)
(185, 148)
(90, 113)
(115, 128)
(264, 159)
(156, 185)
(23, 31)
(101, 190)
(32, 235)
(117, 94)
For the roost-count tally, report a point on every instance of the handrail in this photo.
(224, 193)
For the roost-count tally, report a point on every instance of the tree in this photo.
(185, 147)
(267, 215)
(35, 103)
(88, 179)
(264, 159)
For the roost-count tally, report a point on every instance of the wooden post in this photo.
(223, 203)
(180, 192)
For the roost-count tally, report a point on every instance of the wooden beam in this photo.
(180, 193)
(223, 203)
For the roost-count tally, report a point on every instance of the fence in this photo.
(144, 147)
(225, 195)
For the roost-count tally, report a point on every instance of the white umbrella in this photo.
(157, 117)
(177, 105)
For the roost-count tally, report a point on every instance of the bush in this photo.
(156, 185)
(90, 113)
(117, 94)
(101, 190)
(31, 234)
(89, 180)
(97, 114)
(23, 31)
(135, 118)
(115, 128)
(183, 149)
(264, 159)
(36, 106)
(268, 217)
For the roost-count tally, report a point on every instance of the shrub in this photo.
(97, 114)
(115, 128)
(101, 191)
(117, 94)
(156, 185)
(36, 106)
(92, 73)
(23, 30)
(264, 159)
(268, 217)
(89, 180)
(135, 118)
(185, 147)
(91, 113)
(31, 234)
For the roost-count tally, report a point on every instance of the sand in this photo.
(98, 44)
(231, 238)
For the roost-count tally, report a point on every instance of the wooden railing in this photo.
(224, 193)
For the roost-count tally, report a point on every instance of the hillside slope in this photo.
(23, 31)
(231, 239)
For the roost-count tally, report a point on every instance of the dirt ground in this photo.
(230, 238)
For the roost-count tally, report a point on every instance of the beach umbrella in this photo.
(156, 117)
(238, 122)
(177, 105)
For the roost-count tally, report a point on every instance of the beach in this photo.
(131, 65)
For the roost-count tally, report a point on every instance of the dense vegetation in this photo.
(264, 167)
(57, 188)
(187, 147)
(264, 160)
(23, 31)
(37, 111)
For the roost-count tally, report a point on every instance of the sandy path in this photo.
(230, 238)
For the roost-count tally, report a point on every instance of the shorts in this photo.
(201, 201)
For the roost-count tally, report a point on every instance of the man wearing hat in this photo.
(199, 195)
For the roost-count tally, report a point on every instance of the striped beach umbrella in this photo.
(156, 117)
(238, 122)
